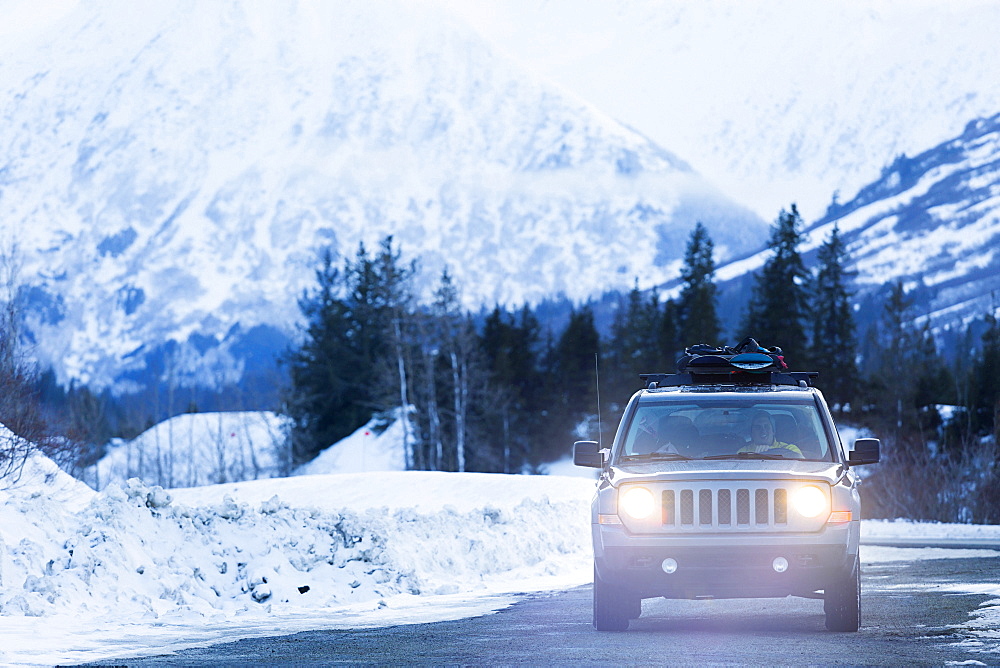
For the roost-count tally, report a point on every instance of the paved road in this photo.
(904, 622)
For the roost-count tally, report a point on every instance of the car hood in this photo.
(728, 469)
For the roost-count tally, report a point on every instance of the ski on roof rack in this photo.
(747, 355)
(747, 363)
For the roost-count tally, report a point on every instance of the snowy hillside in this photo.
(199, 449)
(196, 449)
(777, 101)
(170, 170)
(373, 447)
(931, 220)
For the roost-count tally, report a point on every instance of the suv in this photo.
(726, 484)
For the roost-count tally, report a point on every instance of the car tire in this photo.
(634, 606)
(612, 609)
(842, 601)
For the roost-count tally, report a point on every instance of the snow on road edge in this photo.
(131, 571)
(133, 559)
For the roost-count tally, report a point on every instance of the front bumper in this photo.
(728, 566)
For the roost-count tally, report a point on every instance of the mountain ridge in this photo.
(773, 100)
(931, 221)
(173, 173)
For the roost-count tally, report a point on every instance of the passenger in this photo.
(648, 440)
(762, 436)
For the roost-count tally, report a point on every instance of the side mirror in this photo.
(588, 453)
(866, 451)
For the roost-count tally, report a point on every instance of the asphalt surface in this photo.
(904, 622)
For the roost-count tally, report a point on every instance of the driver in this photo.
(762, 436)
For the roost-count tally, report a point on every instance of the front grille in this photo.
(743, 506)
(781, 506)
(703, 508)
(725, 507)
(760, 506)
(687, 506)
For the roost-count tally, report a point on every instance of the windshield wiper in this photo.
(669, 456)
(746, 455)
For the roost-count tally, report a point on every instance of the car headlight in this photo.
(810, 501)
(638, 503)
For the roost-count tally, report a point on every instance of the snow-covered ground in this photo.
(198, 449)
(134, 569)
(127, 571)
(195, 449)
(370, 448)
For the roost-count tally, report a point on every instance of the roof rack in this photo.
(723, 376)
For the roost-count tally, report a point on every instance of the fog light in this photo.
(780, 564)
(669, 565)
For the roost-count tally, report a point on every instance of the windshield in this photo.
(716, 427)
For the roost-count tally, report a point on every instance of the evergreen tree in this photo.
(379, 300)
(933, 383)
(392, 306)
(779, 303)
(323, 400)
(669, 344)
(698, 321)
(635, 347)
(355, 342)
(511, 349)
(834, 345)
(895, 339)
(984, 385)
(572, 392)
(906, 379)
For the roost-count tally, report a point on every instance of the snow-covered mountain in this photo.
(776, 100)
(169, 171)
(931, 221)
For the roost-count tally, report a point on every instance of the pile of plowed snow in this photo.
(304, 547)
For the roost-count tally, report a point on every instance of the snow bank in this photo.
(423, 491)
(199, 449)
(912, 529)
(42, 478)
(134, 555)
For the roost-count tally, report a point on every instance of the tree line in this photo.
(509, 389)
(499, 391)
